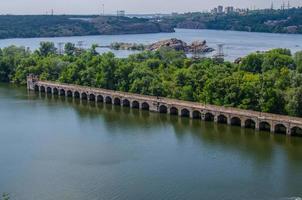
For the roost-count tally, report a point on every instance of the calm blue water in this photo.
(55, 148)
(237, 44)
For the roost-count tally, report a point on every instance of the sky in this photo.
(130, 6)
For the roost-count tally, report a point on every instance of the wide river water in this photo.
(55, 148)
(237, 44)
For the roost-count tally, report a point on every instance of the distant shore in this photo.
(37, 26)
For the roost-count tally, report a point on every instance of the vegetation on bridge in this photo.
(269, 81)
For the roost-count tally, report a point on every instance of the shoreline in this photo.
(151, 33)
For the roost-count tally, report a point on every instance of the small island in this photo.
(173, 43)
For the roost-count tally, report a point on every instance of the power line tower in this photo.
(103, 10)
(283, 6)
(60, 48)
(220, 55)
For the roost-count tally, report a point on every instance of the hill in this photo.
(27, 26)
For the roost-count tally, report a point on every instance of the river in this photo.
(237, 44)
(55, 148)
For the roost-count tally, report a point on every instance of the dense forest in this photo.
(269, 81)
(27, 26)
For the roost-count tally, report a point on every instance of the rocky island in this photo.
(179, 45)
(173, 43)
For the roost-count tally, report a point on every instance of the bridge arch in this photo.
(126, 103)
(264, 126)
(62, 92)
(117, 101)
(37, 88)
(280, 129)
(173, 111)
(185, 112)
(92, 97)
(69, 93)
(209, 116)
(55, 91)
(235, 121)
(100, 98)
(296, 131)
(135, 104)
(163, 109)
(84, 96)
(49, 90)
(42, 89)
(77, 95)
(222, 119)
(196, 114)
(145, 106)
(250, 123)
(108, 100)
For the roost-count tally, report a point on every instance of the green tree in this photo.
(70, 49)
(252, 63)
(47, 48)
(106, 71)
(298, 61)
(294, 101)
(273, 60)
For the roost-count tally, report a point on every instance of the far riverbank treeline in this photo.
(268, 81)
(30, 26)
(266, 20)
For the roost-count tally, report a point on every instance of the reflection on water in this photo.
(71, 149)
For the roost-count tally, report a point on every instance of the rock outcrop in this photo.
(179, 45)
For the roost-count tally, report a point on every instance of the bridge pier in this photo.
(229, 121)
(257, 126)
(273, 129)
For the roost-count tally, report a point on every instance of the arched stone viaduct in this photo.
(232, 116)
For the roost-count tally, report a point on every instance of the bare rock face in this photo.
(179, 45)
(200, 47)
(173, 43)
